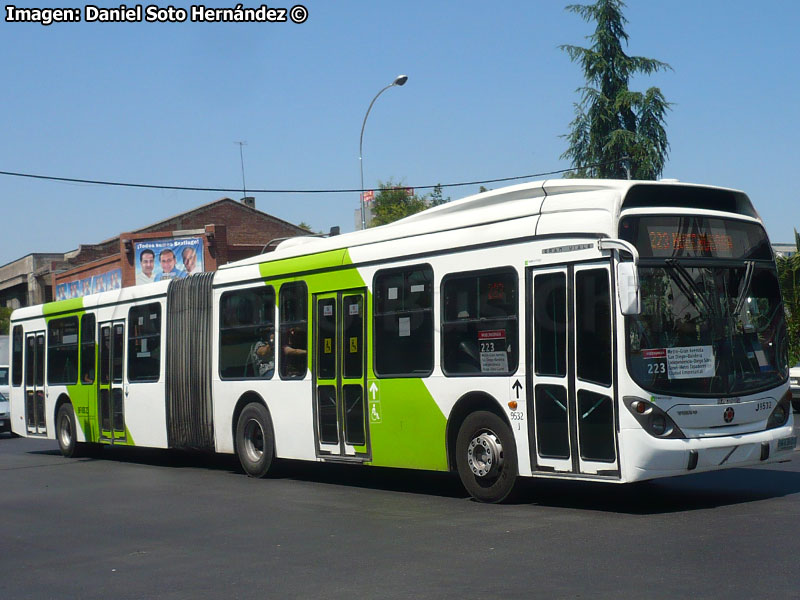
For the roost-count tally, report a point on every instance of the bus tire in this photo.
(486, 457)
(66, 432)
(255, 440)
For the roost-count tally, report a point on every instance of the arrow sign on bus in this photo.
(374, 389)
(517, 386)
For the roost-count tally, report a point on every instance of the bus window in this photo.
(479, 323)
(144, 343)
(293, 303)
(550, 324)
(247, 334)
(593, 326)
(16, 356)
(62, 351)
(403, 333)
(87, 349)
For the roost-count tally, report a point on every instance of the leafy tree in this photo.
(789, 277)
(393, 202)
(482, 189)
(619, 130)
(304, 225)
(5, 319)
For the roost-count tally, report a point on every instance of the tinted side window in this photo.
(293, 302)
(62, 351)
(403, 309)
(87, 348)
(144, 342)
(593, 325)
(479, 323)
(550, 324)
(16, 356)
(247, 334)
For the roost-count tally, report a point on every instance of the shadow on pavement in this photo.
(684, 493)
(675, 494)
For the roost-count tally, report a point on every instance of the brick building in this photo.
(218, 233)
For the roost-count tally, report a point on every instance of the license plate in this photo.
(787, 443)
(2, 423)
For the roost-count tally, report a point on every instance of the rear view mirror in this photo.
(630, 296)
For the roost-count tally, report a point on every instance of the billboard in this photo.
(174, 258)
(101, 282)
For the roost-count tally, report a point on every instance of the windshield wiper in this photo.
(746, 280)
(688, 286)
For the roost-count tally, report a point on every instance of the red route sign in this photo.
(492, 334)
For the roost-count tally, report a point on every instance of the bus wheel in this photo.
(65, 431)
(255, 444)
(486, 457)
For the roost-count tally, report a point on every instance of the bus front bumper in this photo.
(650, 457)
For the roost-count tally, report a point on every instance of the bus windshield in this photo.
(710, 326)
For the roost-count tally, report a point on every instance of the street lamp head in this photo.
(400, 80)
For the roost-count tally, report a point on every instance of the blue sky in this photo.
(488, 96)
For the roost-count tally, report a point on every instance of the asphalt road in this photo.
(156, 524)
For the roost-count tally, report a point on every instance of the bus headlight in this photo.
(652, 419)
(780, 414)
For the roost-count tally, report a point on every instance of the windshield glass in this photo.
(710, 326)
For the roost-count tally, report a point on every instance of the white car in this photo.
(794, 382)
(5, 415)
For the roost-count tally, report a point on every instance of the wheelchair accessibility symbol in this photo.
(375, 412)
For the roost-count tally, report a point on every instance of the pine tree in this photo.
(620, 130)
(437, 196)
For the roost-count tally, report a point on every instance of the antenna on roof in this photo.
(241, 158)
(246, 200)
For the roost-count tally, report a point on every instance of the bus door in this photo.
(111, 393)
(339, 367)
(571, 391)
(35, 420)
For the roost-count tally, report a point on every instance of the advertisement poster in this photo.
(102, 282)
(160, 260)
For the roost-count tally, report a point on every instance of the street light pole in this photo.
(399, 81)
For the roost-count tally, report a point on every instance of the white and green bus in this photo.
(600, 330)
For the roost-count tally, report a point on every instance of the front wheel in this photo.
(255, 441)
(486, 457)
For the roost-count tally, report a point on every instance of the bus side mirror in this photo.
(630, 295)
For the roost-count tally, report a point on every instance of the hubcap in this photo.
(485, 454)
(254, 440)
(66, 431)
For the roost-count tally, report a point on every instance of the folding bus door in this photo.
(35, 419)
(572, 396)
(340, 375)
(111, 387)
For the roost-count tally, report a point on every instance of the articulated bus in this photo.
(600, 330)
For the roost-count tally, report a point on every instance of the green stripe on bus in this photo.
(62, 306)
(411, 431)
(301, 264)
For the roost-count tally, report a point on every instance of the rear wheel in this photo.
(255, 440)
(66, 431)
(486, 457)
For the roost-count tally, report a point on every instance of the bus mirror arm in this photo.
(628, 289)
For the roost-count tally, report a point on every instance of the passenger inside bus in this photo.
(261, 361)
(294, 352)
